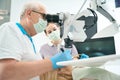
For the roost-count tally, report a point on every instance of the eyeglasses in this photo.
(43, 15)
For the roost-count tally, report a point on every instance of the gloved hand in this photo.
(62, 56)
(83, 56)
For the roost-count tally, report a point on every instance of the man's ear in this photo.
(28, 12)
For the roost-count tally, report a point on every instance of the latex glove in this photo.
(62, 56)
(83, 56)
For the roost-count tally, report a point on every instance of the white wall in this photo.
(53, 6)
(72, 6)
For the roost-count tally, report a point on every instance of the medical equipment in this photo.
(97, 47)
(98, 6)
(89, 62)
(73, 24)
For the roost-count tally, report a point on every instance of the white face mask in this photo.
(40, 26)
(55, 35)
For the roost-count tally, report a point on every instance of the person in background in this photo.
(18, 57)
(55, 43)
(51, 48)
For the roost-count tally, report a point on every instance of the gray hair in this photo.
(31, 5)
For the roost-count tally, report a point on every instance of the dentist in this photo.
(18, 57)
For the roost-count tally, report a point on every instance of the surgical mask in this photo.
(40, 26)
(55, 35)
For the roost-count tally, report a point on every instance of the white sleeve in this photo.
(10, 46)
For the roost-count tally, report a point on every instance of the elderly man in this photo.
(18, 57)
